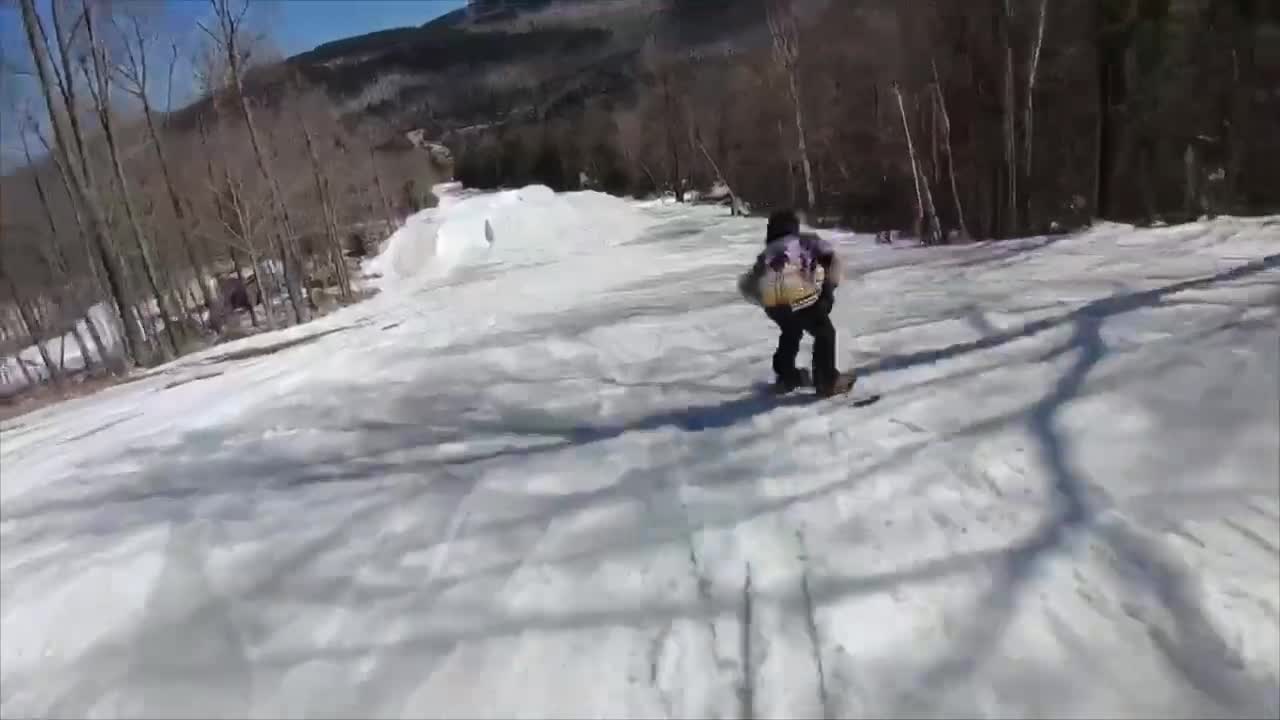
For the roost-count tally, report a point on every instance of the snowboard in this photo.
(859, 398)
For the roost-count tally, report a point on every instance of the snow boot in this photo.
(803, 378)
(843, 384)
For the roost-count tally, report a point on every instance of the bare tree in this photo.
(98, 76)
(133, 70)
(632, 141)
(786, 48)
(30, 322)
(1009, 104)
(227, 37)
(57, 261)
(669, 108)
(1028, 121)
(925, 212)
(736, 206)
(382, 193)
(240, 222)
(326, 203)
(78, 178)
(946, 144)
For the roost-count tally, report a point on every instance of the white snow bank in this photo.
(532, 224)
(13, 380)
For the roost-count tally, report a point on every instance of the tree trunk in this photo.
(382, 195)
(167, 313)
(84, 232)
(148, 332)
(1243, 62)
(184, 232)
(102, 103)
(330, 220)
(945, 118)
(1191, 170)
(178, 299)
(1028, 121)
(1012, 169)
(1104, 163)
(673, 149)
(62, 354)
(792, 193)
(268, 283)
(63, 161)
(67, 86)
(925, 212)
(648, 173)
(104, 353)
(26, 371)
(235, 263)
(936, 234)
(935, 138)
(58, 264)
(18, 333)
(32, 327)
(261, 278)
(85, 355)
(786, 48)
(83, 196)
(802, 147)
(733, 197)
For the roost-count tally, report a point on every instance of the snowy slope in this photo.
(539, 484)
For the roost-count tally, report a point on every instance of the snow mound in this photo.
(529, 225)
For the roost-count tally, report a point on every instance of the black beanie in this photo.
(781, 222)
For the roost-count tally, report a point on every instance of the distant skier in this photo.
(794, 280)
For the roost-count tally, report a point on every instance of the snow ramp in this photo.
(526, 225)
(542, 484)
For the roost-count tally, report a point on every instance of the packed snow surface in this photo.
(534, 477)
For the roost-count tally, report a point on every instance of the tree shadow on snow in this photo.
(1191, 644)
(1000, 254)
(1100, 309)
(219, 464)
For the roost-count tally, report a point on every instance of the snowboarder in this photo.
(794, 280)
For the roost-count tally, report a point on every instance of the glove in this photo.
(747, 288)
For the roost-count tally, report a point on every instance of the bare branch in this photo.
(134, 68)
(44, 142)
(210, 33)
(244, 10)
(91, 81)
(75, 25)
(62, 82)
(173, 62)
(142, 50)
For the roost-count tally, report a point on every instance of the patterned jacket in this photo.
(792, 272)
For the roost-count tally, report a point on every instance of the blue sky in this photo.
(294, 26)
(300, 25)
(308, 23)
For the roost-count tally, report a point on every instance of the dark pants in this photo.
(815, 320)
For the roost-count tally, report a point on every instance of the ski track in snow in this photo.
(540, 485)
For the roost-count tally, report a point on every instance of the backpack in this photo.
(789, 275)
